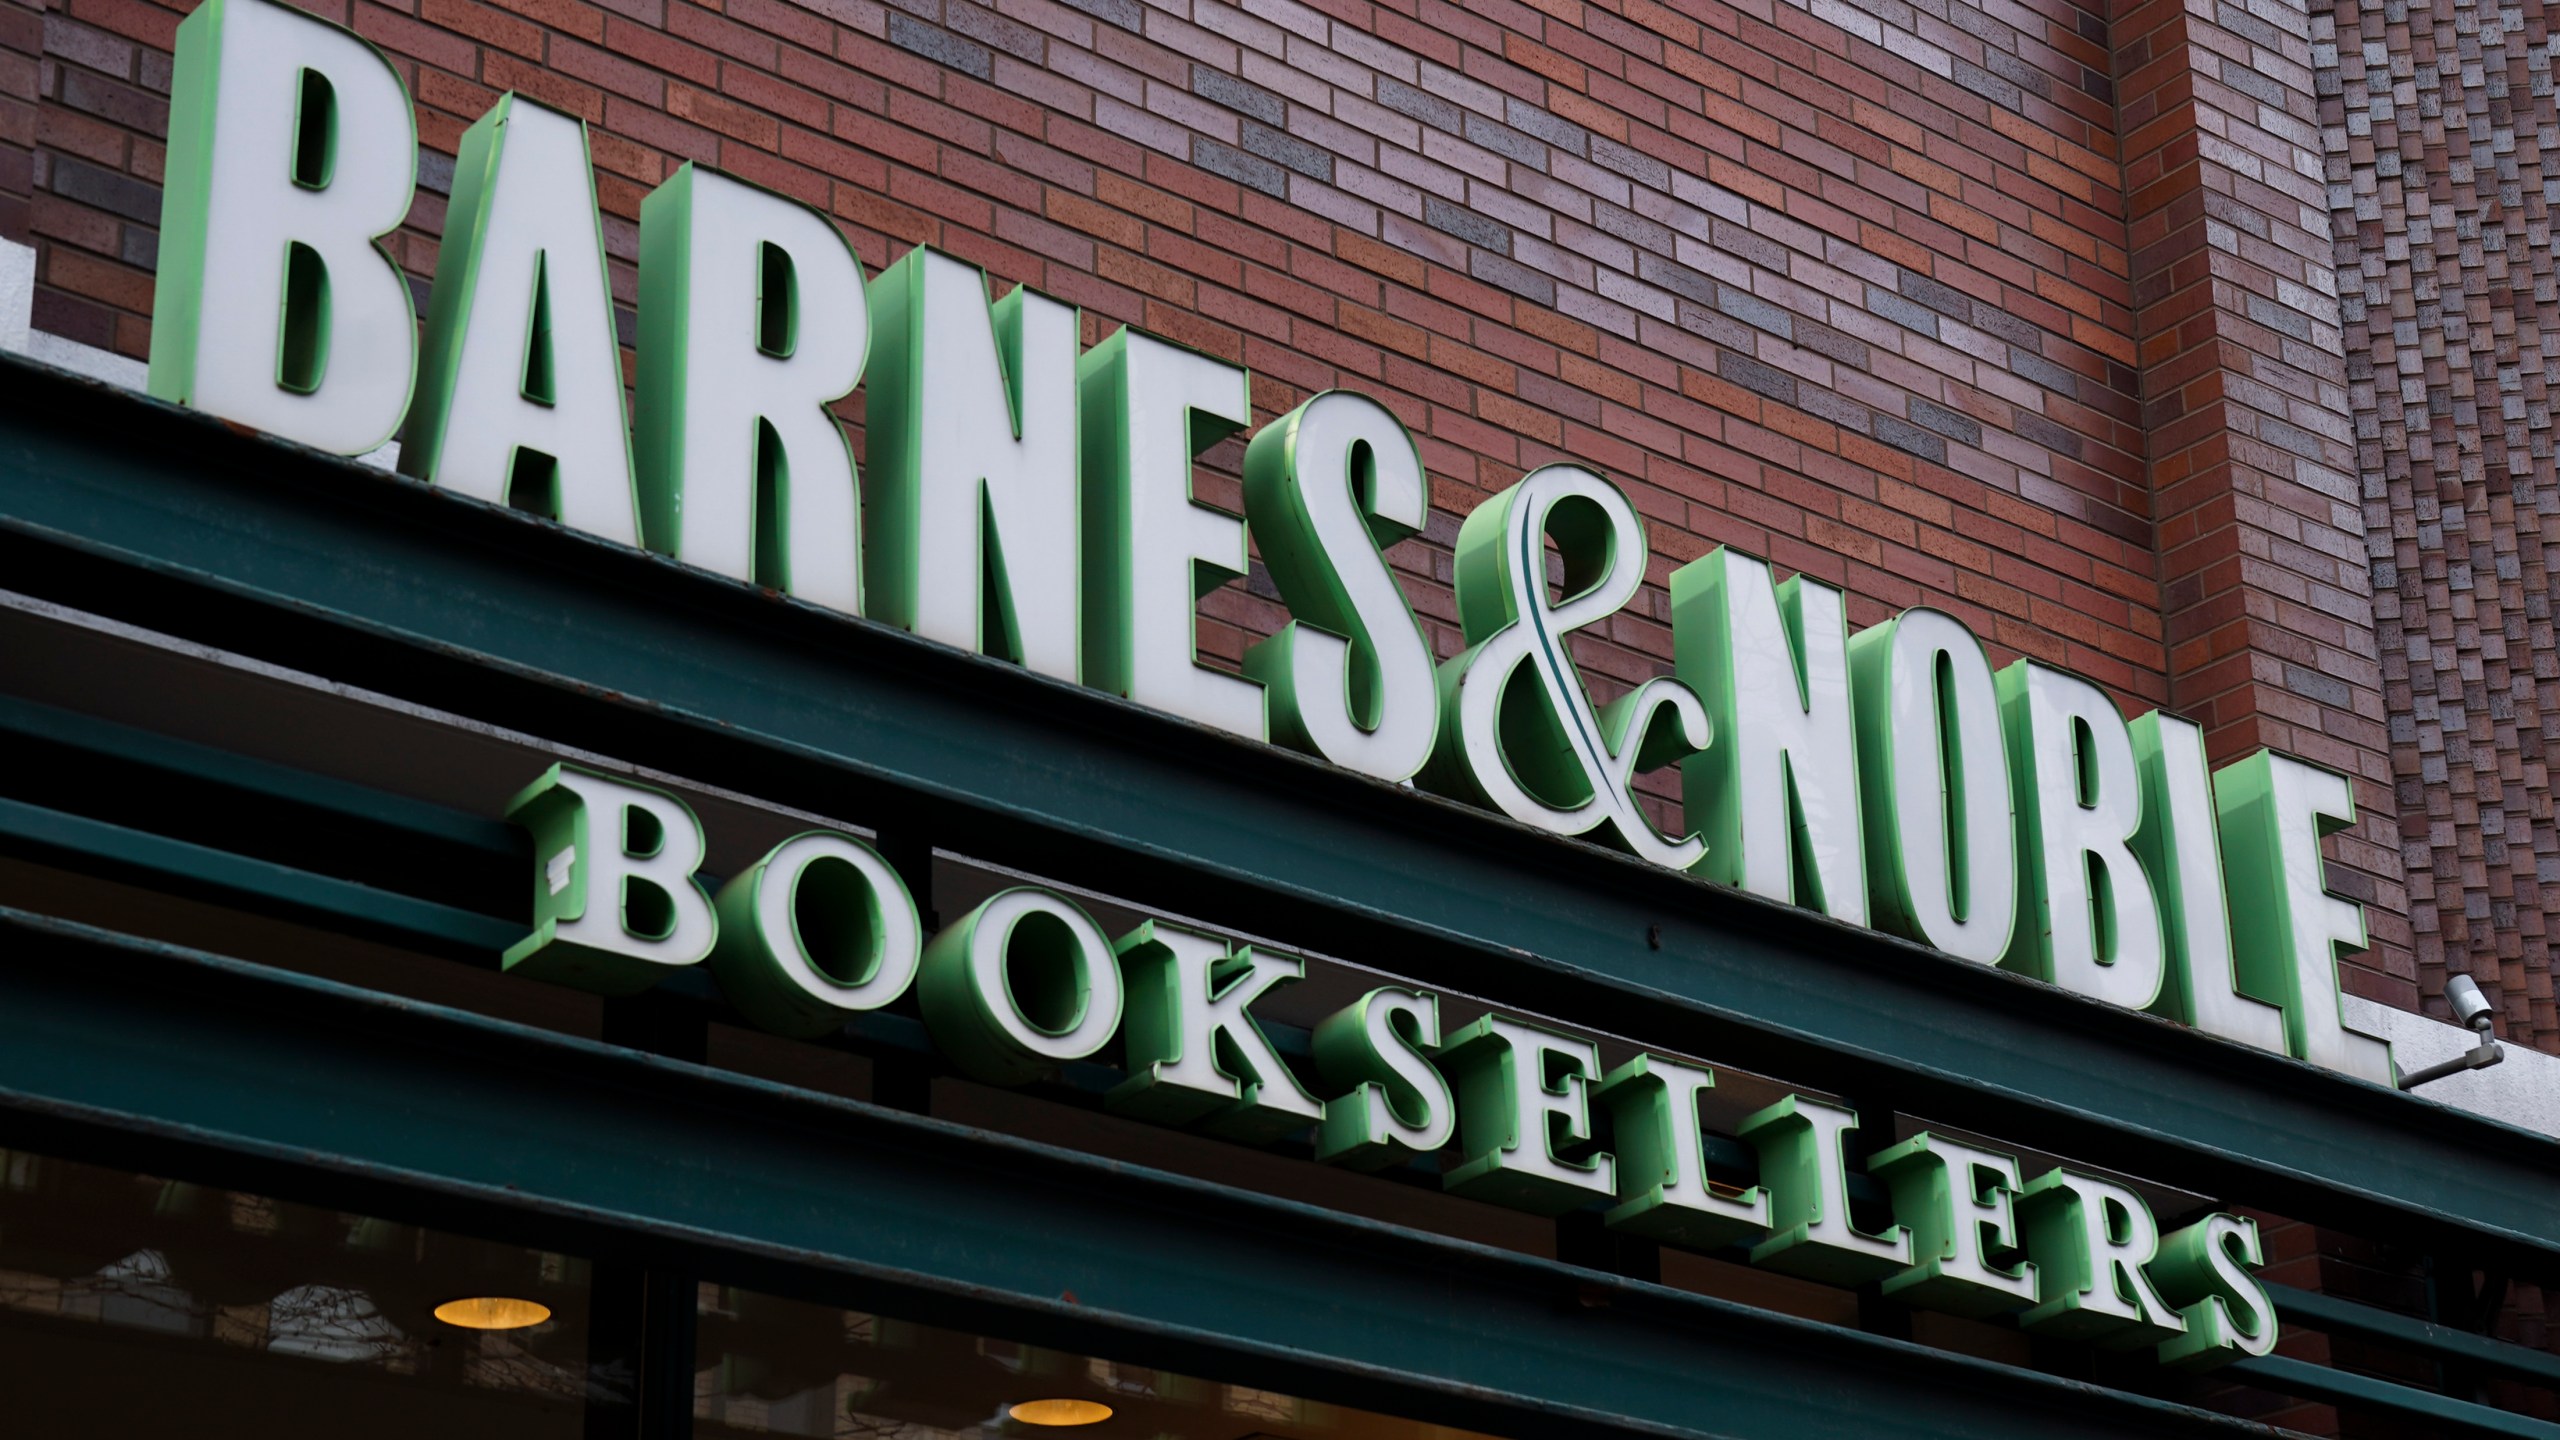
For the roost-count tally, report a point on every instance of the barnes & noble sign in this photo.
(1028, 500)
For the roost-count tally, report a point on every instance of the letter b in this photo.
(292, 149)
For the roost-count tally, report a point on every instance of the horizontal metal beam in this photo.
(2365, 1392)
(77, 843)
(174, 522)
(2423, 1337)
(234, 1074)
(88, 740)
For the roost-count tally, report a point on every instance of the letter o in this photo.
(1020, 984)
(817, 932)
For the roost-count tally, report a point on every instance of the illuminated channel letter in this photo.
(292, 149)
(1663, 1190)
(2204, 1270)
(1327, 488)
(1804, 1165)
(2286, 927)
(1776, 796)
(2091, 1239)
(1196, 1054)
(2180, 847)
(1523, 1096)
(1958, 1202)
(1019, 986)
(1151, 550)
(615, 902)
(1390, 1103)
(752, 323)
(817, 932)
(972, 532)
(1942, 856)
(520, 393)
(2087, 921)
(1532, 745)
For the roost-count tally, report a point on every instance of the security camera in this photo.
(2470, 1007)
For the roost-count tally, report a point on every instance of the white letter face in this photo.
(616, 901)
(819, 931)
(973, 464)
(1534, 746)
(1328, 487)
(1523, 1094)
(2180, 845)
(1942, 855)
(1022, 983)
(1780, 783)
(1803, 1145)
(1151, 550)
(1372, 1053)
(752, 323)
(2093, 1240)
(2288, 928)
(1195, 1052)
(1663, 1189)
(292, 148)
(2093, 925)
(1958, 1203)
(523, 378)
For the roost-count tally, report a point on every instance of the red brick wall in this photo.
(2264, 583)
(2019, 308)
(1863, 315)
(21, 63)
(2438, 125)
(1855, 284)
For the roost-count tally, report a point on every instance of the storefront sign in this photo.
(1034, 503)
(822, 931)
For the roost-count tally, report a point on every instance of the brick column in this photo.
(21, 69)
(2265, 582)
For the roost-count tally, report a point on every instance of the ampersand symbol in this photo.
(1531, 744)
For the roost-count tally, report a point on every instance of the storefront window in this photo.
(770, 1366)
(132, 1305)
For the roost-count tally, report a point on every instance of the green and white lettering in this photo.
(1196, 1054)
(1327, 488)
(1151, 549)
(1663, 1190)
(2205, 1270)
(2091, 1239)
(1942, 856)
(1958, 1203)
(1523, 1098)
(1804, 1165)
(615, 902)
(292, 151)
(2179, 843)
(1533, 746)
(1776, 796)
(817, 932)
(752, 323)
(2288, 929)
(2088, 920)
(1019, 986)
(972, 535)
(1391, 1103)
(520, 397)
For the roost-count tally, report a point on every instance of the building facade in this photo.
(2195, 349)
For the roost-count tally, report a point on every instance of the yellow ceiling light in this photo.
(1061, 1412)
(492, 1312)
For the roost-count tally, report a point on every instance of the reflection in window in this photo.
(769, 1366)
(152, 1306)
